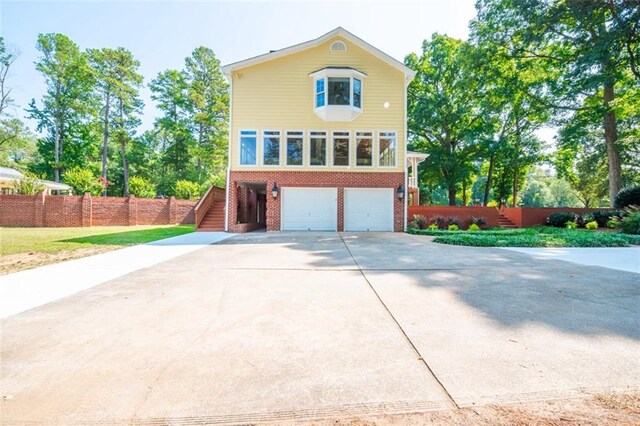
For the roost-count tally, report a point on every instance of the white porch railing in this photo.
(413, 182)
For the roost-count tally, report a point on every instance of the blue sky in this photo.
(161, 34)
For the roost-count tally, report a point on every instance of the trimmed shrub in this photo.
(474, 227)
(83, 180)
(583, 218)
(454, 220)
(141, 187)
(453, 227)
(613, 223)
(439, 221)
(186, 190)
(480, 221)
(603, 216)
(419, 222)
(432, 227)
(591, 225)
(628, 196)
(630, 224)
(559, 220)
(571, 225)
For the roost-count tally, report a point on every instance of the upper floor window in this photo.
(338, 93)
(271, 148)
(318, 148)
(248, 145)
(387, 149)
(340, 148)
(364, 149)
(295, 148)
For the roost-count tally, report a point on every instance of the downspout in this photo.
(226, 203)
(404, 162)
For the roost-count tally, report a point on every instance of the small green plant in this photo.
(628, 196)
(82, 181)
(419, 222)
(591, 225)
(560, 219)
(630, 224)
(474, 227)
(186, 190)
(141, 187)
(571, 224)
(453, 227)
(432, 227)
(29, 185)
(613, 223)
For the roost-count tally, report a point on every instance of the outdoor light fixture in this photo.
(400, 192)
(275, 190)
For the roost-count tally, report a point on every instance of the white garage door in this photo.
(368, 209)
(309, 209)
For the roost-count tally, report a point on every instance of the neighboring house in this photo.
(318, 138)
(10, 177)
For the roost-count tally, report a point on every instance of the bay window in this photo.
(338, 93)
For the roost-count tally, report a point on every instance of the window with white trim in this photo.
(318, 148)
(338, 93)
(295, 148)
(340, 148)
(364, 149)
(248, 145)
(271, 147)
(387, 149)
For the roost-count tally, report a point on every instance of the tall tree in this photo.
(590, 43)
(208, 96)
(445, 114)
(68, 101)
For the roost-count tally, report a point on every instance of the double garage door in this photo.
(316, 209)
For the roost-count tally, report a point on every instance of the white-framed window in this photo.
(295, 147)
(340, 148)
(364, 149)
(248, 147)
(338, 93)
(387, 148)
(271, 147)
(318, 148)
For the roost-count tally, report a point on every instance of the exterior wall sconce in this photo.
(275, 190)
(400, 192)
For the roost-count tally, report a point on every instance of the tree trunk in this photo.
(464, 192)
(123, 151)
(105, 142)
(56, 152)
(515, 186)
(611, 137)
(452, 194)
(487, 187)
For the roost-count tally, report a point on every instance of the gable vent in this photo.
(338, 46)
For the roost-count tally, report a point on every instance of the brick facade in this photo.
(339, 180)
(67, 211)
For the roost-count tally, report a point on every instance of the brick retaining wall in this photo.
(490, 214)
(66, 211)
(532, 216)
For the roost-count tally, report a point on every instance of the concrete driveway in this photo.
(279, 326)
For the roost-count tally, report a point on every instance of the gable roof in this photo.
(275, 54)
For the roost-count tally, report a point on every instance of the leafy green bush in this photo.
(186, 190)
(29, 185)
(603, 216)
(628, 196)
(439, 221)
(419, 222)
(613, 223)
(432, 227)
(82, 181)
(453, 227)
(631, 223)
(559, 220)
(583, 218)
(571, 225)
(591, 225)
(474, 227)
(454, 220)
(478, 221)
(141, 187)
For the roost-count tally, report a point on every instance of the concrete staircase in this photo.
(214, 218)
(504, 222)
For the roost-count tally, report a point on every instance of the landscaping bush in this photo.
(432, 227)
(419, 222)
(453, 227)
(141, 187)
(29, 185)
(454, 220)
(478, 221)
(559, 220)
(591, 225)
(571, 225)
(439, 221)
(474, 227)
(603, 216)
(583, 218)
(186, 190)
(629, 196)
(613, 223)
(83, 180)
(630, 224)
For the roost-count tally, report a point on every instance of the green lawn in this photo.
(55, 240)
(540, 236)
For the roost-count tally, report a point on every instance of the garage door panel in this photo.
(309, 209)
(368, 209)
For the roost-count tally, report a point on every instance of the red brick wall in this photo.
(532, 216)
(338, 180)
(67, 211)
(490, 214)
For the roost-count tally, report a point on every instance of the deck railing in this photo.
(212, 195)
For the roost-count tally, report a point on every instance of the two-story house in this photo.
(318, 138)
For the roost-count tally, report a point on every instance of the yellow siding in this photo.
(279, 95)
